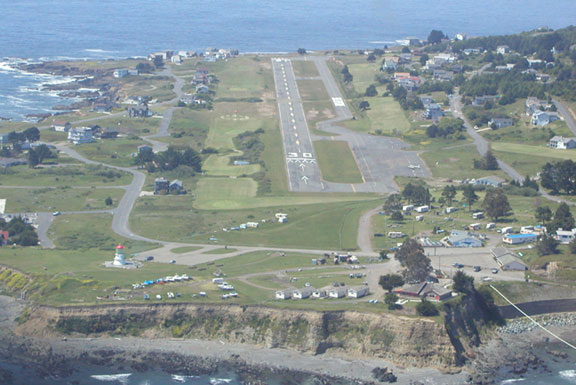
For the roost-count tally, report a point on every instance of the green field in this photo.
(185, 249)
(130, 126)
(318, 111)
(77, 175)
(304, 68)
(223, 250)
(327, 222)
(189, 127)
(385, 114)
(311, 90)
(156, 87)
(219, 165)
(223, 193)
(58, 199)
(118, 152)
(337, 162)
(538, 151)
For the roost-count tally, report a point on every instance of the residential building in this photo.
(358, 292)
(319, 293)
(562, 143)
(144, 148)
(426, 100)
(61, 125)
(503, 49)
(303, 293)
(142, 111)
(202, 89)
(4, 237)
(176, 59)
(161, 185)
(481, 100)
(422, 209)
(11, 162)
(120, 73)
(176, 187)
(284, 294)
(534, 104)
(428, 290)
(500, 122)
(81, 135)
(565, 236)
(492, 181)
(471, 51)
(517, 239)
(460, 238)
(337, 292)
(434, 112)
(391, 63)
(542, 118)
(443, 75)
(508, 260)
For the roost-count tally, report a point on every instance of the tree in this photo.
(144, 68)
(435, 37)
(347, 75)
(390, 299)
(393, 203)
(496, 203)
(423, 59)
(390, 281)
(31, 134)
(426, 309)
(371, 58)
(490, 161)
(43, 152)
(563, 219)
(32, 158)
(416, 194)
(449, 193)
(573, 246)
(543, 214)
(397, 216)
(302, 51)
(158, 61)
(469, 195)
(547, 245)
(371, 91)
(364, 105)
(411, 256)
(108, 201)
(462, 282)
(383, 254)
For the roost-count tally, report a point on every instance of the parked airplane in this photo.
(413, 166)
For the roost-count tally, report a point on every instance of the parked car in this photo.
(486, 279)
(149, 258)
(458, 265)
(477, 268)
(494, 270)
(172, 261)
(56, 213)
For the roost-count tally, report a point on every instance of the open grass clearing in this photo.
(91, 231)
(189, 127)
(77, 175)
(524, 164)
(219, 165)
(184, 249)
(321, 225)
(130, 126)
(385, 114)
(456, 162)
(223, 193)
(337, 162)
(223, 250)
(528, 150)
(58, 199)
(303, 68)
(118, 152)
(156, 87)
(364, 74)
(312, 89)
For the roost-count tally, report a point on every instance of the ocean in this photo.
(39, 30)
(86, 29)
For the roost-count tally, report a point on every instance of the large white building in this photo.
(80, 135)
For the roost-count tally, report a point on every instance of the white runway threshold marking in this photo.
(338, 102)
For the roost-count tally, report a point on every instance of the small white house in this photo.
(284, 294)
(252, 225)
(396, 234)
(507, 230)
(337, 292)
(60, 125)
(479, 215)
(80, 135)
(475, 226)
(490, 226)
(565, 236)
(319, 293)
(422, 209)
(419, 218)
(302, 293)
(450, 210)
(358, 292)
(407, 208)
(562, 143)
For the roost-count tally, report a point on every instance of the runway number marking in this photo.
(338, 102)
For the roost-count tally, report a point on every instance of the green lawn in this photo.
(223, 193)
(223, 250)
(318, 111)
(538, 151)
(131, 126)
(456, 162)
(59, 199)
(155, 87)
(185, 249)
(327, 223)
(219, 165)
(304, 68)
(118, 152)
(385, 114)
(189, 127)
(77, 175)
(311, 90)
(337, 162)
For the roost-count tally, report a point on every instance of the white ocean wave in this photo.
(569, 375)
(511, 381)
(181, 379)
(220, 381)
(122, 378)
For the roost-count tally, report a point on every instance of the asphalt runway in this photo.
(379, 158)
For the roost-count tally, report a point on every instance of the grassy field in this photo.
(80, 175)
(318, 111)
(59, 199)
(93, 231)
(456, 162)
(189, 127)
(385, 114)
(223, 193)
(223, 250)
(118, 152)
(326, 222)
(312, 90)
(537, 151)
(304, 68)
(153, 86)
(219, 165)
(185, 249)
(130, 126)
(337, 162)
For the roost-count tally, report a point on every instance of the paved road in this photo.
(566, 113)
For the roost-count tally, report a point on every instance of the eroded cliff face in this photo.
(405, 341)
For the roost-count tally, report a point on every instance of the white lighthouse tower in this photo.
(119, 258)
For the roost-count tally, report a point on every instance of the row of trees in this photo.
(19, 232)
(31, 134)
(170, 159)
(39, 154)
(488, 162)
(559, 177)
(446, 127)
